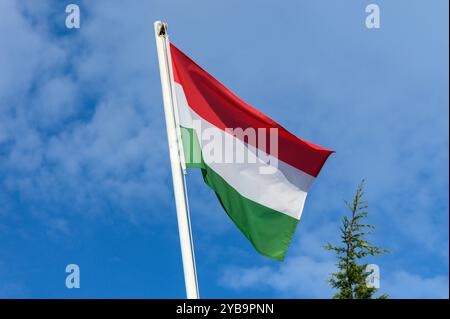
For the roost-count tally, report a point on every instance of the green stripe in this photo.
(268, 230)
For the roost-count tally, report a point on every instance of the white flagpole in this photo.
(177, 164)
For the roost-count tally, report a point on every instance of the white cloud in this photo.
(25, 54)
(303, 274)
(403, 284)
(304, 277)
(55, 101)
(298, 277)
(87, 143)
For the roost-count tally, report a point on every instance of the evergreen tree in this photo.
(350, 279)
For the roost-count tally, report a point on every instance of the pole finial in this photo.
(161, 28)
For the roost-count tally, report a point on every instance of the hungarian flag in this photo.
(259, 171)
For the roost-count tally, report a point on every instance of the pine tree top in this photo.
(350, 279)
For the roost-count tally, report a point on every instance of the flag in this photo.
(260, 172)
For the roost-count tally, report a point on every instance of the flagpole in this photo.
(177, 165)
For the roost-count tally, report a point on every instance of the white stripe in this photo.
(284, 190)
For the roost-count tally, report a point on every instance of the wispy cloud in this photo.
(78, 132)
(403, 284)
(299, 277)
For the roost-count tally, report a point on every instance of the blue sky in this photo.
(84, 170)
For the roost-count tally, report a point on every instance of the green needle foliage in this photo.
(350, 279)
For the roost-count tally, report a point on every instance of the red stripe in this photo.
(220, 107)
